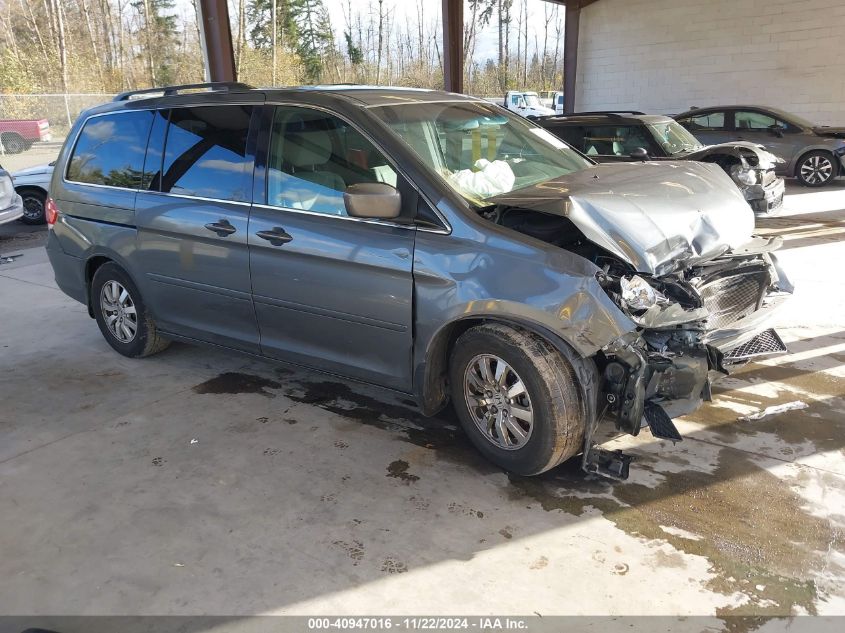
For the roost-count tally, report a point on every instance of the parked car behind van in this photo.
(11, 207)
(431, 243)
(814, 154)
(635, 136)
(33, 184)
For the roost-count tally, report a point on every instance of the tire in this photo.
(107, 288)
(816, 169)
(13, 143)
(34, 201)
(558, 419)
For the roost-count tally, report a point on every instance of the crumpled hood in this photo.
(658, 217)
(765, 159)
(34, 171)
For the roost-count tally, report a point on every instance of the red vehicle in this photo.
(19, 135)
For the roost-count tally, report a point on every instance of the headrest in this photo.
(306, 149)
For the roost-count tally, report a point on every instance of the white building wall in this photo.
(664, 56)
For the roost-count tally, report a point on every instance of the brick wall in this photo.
(663, 56)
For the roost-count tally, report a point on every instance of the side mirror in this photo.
(776, 131)
(639, 154)
(372, 200)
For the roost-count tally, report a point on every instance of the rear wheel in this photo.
(517, 398)
(121, 314)
(33, 206)
(816, 169)
(13, 143)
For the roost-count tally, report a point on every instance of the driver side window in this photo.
(314, 156)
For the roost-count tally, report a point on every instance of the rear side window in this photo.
(205, 153)
(616, 140)
(110, 150)
(704, 122)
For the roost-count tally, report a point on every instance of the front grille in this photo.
(763, 344)
(729, 299)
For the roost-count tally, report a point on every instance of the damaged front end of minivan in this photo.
(676, 256)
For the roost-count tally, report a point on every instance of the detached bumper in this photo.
(13, 212)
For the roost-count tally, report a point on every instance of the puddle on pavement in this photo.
(232, 382)
(755, 535)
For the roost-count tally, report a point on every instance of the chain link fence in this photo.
(60, 109)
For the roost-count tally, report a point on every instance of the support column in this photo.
(216, 35)
(453, 45)
(570, 54)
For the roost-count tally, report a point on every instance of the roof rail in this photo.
(608, 112)
(167, 91)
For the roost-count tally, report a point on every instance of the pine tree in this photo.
(316, 37)
(259, 15)
(158, 38)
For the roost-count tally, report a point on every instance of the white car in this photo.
(526, 104)
(11, 206)
(33, 184)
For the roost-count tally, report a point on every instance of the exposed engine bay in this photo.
(694, 320)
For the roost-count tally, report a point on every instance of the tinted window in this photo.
(744, 120)
(572, 134)
(314, 157)
(710, 121)
(615, 140)
(110, 150)
(205, 153)
(155, 152)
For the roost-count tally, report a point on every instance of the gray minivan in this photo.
(430, 243)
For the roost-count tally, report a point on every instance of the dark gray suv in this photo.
(427, 242)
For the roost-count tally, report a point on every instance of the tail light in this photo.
(51, 212)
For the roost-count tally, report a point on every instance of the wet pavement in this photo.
(307, 494)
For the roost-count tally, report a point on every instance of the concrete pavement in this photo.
(304, 494)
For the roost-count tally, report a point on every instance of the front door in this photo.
(192, 224)
(330, 291)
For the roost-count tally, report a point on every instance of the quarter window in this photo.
(205, 153)
(110, 150)
(314, 157)
(702, 122)
(754, 121)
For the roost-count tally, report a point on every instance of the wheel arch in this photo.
(93, 262)
(431, 375)
(23, 188)
(811, 150)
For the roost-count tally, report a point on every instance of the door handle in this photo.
(222, 228)
(276, 237)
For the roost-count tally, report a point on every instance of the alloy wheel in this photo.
(498, 401)
(816, 170)
(119, 311)
(33, 207)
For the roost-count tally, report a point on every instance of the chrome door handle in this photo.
(277, 236)
(223, 228)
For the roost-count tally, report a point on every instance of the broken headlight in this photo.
(743, 175)
(638, 294)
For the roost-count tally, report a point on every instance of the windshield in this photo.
(479, 149)
(674, 138)
(533, 101)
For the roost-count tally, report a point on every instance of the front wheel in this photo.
(121, 314)
(34, 201)
(517, 398)
(816, 169)
(13, 143)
